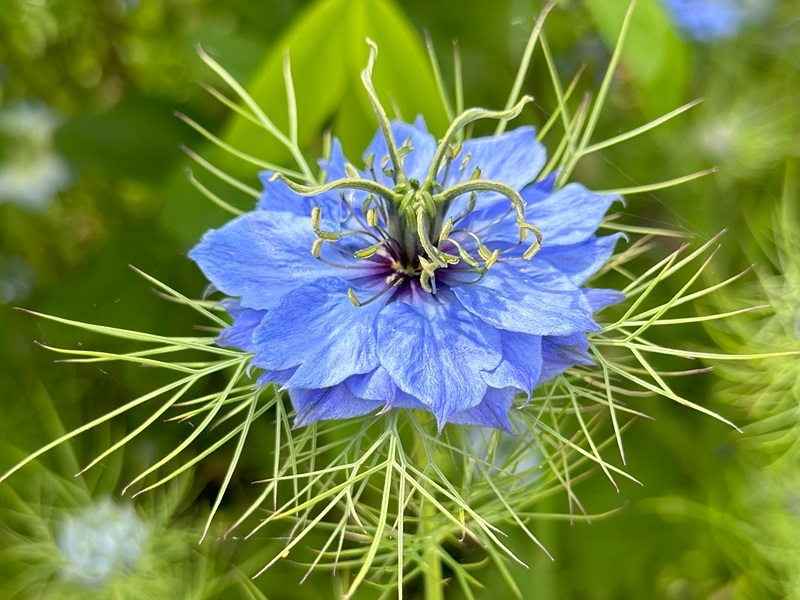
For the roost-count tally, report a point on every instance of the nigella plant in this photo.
(371, 316)
(443, 276)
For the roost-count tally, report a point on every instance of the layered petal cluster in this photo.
(462, 349)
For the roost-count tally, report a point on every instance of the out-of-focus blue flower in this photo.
(101, 541)
(415, 284)
(707, 20)
(31, 172)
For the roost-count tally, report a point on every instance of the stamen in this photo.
(424, 238)
(370, 164)
(370, 250)
(351, 171)
(473, 199)
(392, 282)
(465, 256)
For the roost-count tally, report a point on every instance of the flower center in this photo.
(422, 232)
(416, 231)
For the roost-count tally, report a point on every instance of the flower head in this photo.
(439, 277)
(420, 281)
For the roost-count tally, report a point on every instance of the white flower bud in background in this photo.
(101, 541)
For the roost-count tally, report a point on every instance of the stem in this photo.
(432, 573)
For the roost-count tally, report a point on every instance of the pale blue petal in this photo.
(279, 377)
(560, 353)
(416, 163)
(325, 404)
(376, 385)
(548, 184)
(334, 166)
(436, 351)
(580, 261)
(528, 299)
(260, 256)
(245, 320)
(599, 298)
(492, 411)
(318, 330)
(521, 364)
(277, 197)
(568, 216)
(379, 386)
(514, 158)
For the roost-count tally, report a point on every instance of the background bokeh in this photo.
(92, 179)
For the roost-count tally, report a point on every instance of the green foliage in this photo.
(105, 65)
(330, 60)
(657, 59)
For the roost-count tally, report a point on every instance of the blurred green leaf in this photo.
(328, 51)
(654, 56)
(137, 138)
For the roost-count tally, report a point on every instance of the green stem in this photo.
(432, 573)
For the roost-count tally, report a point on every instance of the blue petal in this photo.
(491, 412)
(319, 331)
(514, 158)
(521, 364)
(599, 298)
(528, 298)
(376, 385)
(569, 216)
(260, 256)
(416, 163)
(560, 353)
(580, 261)
(277, 197)
(334, 166)
(335, 402)
(548, 184)
(279, 377)
(245, 320)
(436, 351)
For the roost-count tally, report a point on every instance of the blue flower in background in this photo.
(439, 277)
(707, 20)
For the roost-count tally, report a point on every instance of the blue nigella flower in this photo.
(707, 20)
(439, 277)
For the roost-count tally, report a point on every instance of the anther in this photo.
(448, 225)
(372, 217)
(369, 250)
(451, 152)
(351, 295)
(465, 162)
(427, 266)
(351, 171)
(464, 254)
(316, 216)
(492, 259)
